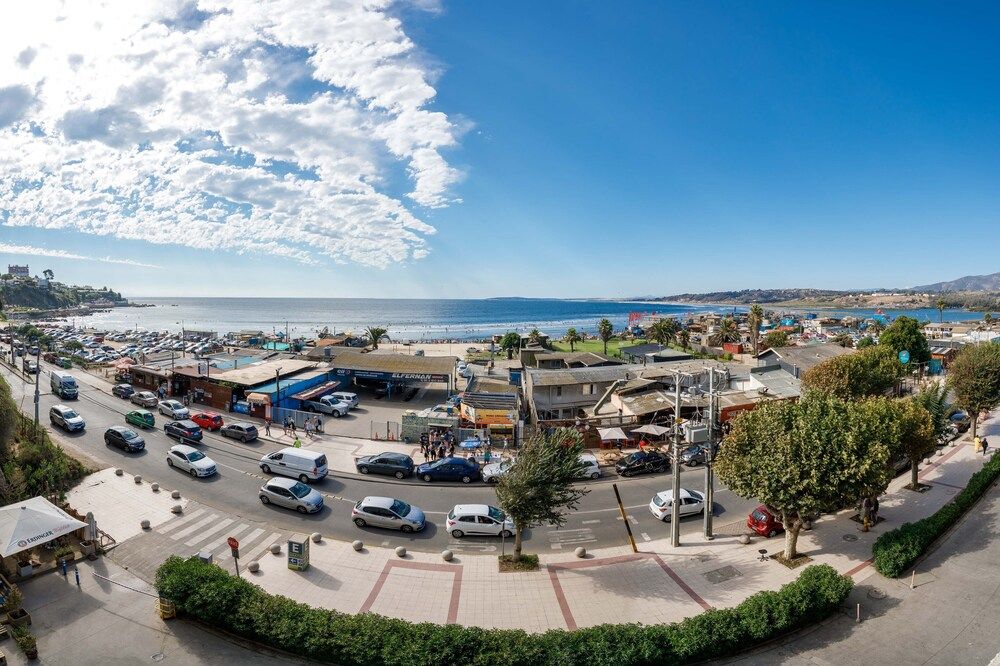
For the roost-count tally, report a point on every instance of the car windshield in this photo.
(400, 508)
(497, 515)
(659, 501)
(129, 434)
(759, 516)
(69, 414)
(195, 456)
(300, 490)
(692, 449)
(634, 457)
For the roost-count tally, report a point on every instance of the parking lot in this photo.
(372, 413)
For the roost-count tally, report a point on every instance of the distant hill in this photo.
(753, 296)
(989, 282)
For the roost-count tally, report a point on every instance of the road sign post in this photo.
(234, 545)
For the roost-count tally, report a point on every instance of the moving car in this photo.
(478, 519)
(291, 494)
(642, 462)
(694, 455)
(449, 469)
(30, 366)
(144, 399)
(64, 385)
(491, 473)
(692, 503)
(245, 432)
(301, 464)
(208, 420)
(764, 522)
(174, 409)
(387, 512)
(191, 460)
(394, 464)
(123, 391)
(66, 418)
(141, 417)
(183, 430)
(124, 438)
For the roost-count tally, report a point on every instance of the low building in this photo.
(652, 353)
(395, 371)
(18, 271)
(797, 360)
(563, 360)
(491, 404)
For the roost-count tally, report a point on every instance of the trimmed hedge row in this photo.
(210, 594)
(897, 550)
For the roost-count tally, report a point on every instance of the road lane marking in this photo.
(262, 547)
(589, 522)
(645, 537)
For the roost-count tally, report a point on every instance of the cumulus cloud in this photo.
(252, 126)
(31, 251)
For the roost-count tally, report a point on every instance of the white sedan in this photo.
(491, 473)
(191, 460)
(174, 409)
(692, 503)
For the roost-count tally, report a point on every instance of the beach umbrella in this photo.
(611, 434)
(33, 522)
(651, 429)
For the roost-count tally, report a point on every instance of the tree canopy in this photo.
(974, 376)
(775, 339)
(727, 332)
(916, 438)
(605, 331)
(869, 372)
(376, 334)
(663, 330)
(754, 320)
(906, 334)
(572, 337)
(510, 342)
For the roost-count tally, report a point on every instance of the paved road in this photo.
(234, 490)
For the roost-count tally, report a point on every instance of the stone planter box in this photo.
(19, 618)
(88, 548)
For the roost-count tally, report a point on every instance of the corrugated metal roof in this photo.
(400, 363)
(259, 373)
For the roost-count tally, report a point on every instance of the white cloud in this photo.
(255, 126)
(31, 251)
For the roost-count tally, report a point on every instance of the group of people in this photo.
(981, 444)
(313, 425)
(435, 446)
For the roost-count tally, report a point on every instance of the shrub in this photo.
(896, 551)
(208, 593)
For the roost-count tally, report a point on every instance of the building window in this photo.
(559, 391)
(589, 389)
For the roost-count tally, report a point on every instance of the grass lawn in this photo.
(596, 346)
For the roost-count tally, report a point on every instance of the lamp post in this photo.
(710, 456)
(675, 468)
(38, 371)
(277, 389)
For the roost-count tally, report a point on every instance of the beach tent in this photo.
(32, 523)
(611, 434)
(654, 430)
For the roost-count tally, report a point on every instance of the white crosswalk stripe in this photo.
(225, 537)
(261, 548)
(201, 536)
(191, 529)
(178, 522)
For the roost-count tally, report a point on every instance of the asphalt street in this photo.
(595, 523)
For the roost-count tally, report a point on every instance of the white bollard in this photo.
(317, 537)
(580, 552)
(144, 524)
(176, 508)
(358, 546)
(253, 567)
(155, 487)
(400, 551)
(137, 479)
(276, 549)
(176, 494)
(744, 539)
(119, 472)
(447, 555)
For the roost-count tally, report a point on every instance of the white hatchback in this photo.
(692, 503)
(173, 409)
(481, 519)
(191, 460)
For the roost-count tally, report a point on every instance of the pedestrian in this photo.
(874, 510)
(425, 454)
(297, 443)
(866, 510)
(472, 458)
(319, 424)
(451, 450)
(986, 445)
(976, 442)
(307, 425)
(487, 456)
(267, 426)
(284, 426)
(441, 451)
(291, 425)
(505, 445)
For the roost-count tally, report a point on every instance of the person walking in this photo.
(291, 426)
(976, 442)
(307, 425)
(986, 445)
(284, 426)
(297, 443)
(487, 456)
(441, 451)
(451, 450)
(267, 426)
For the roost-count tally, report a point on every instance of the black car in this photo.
(398, 465)
(245, 432)
(183, 430)
(123, 391)
(960, 420)
(642, 462)
(124, 438)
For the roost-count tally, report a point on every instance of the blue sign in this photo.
(904, 357)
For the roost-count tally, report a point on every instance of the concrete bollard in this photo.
(176, 508)
(400, 551)
(316, 537)
(119, 472)
(580, 552)
(447, 555)
(137, 479)
(744, 539)
(276, 549)
(155, 487)
(358, 546)
(144, 524)
(253, 567)
(175, 494)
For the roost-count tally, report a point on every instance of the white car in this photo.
(191, 460)
(491, 473)
(478, 519)
(692, 503)
(173, 409)
(591, 468)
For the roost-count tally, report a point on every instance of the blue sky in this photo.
(566, 149)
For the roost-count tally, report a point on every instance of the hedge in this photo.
(210, 594)
(897, 550)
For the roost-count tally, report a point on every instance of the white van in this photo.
(301, 464)
(343, 396)
(64, 385)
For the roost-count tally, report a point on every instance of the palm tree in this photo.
(728, 332)
(754, 321)
(534, 337)
(663, 330)
(605, 331)
(509, 342)
(376, 334)
(572, 337)
(684, 338)
(940, 308)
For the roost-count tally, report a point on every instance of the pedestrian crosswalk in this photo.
(202, 530)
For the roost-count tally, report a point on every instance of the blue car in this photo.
(449, 469)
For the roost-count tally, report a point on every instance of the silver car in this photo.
(291, 494)
(190, 460)
(144, 399)
(174, 409)
(387, 512)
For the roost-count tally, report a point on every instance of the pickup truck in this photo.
(328, 405)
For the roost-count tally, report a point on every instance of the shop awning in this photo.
(31, 523)
(259, 398)
(316, 391)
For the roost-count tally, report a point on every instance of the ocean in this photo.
(408, 319)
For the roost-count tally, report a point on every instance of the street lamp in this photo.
(675, 508)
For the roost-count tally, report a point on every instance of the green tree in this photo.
(534, 337)
(776, 339)
(728, 332)
(906, 333)
(540, 486)
(48, 274)
(865, 342)
(869, 372)
(376, 334)
(663, 330)
(683, 338)
(74, 345)
(916, 434)
(805, 458)
(510, 342)
(974, 376)
(934, 398)
(844, 340)
(754, 321)
(605, 331)
(940, 308)
(572, 337)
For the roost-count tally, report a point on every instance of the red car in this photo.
(208, 420)
(762, 521)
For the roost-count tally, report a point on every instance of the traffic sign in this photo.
(235, 546)
(904, 357)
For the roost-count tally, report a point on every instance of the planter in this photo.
(88, 548)
(25, 570)
(19, 618)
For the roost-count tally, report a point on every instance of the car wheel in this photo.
(626, 474)
(194, 472)
(360, 522)
(406, 529)
(492, 479)
(335, 414)
(266, 469)
(399, 475)
(666, 518)
(466, 479)
(300, 509)
(506, 534)
(303, 478)
(771, 533)
(458, 534)
(595, 475)
(243, 439)
(363, 469)
(170, 463)
(427, 478)
(264, 500)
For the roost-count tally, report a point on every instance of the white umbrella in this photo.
(651, 429)
(611, 434)
(32, 523)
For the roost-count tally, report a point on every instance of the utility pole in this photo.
(675, 468)
(710, 456)
(277, 397)
(38, 371)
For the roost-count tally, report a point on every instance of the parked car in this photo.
(291, 494)
(302, 464)
(764, 522)
(394, 464)
(694, 455)
(144, 399)
(245, 432)
(141, 417)
(123, 391)
(449, 469)
(491, 473)
(29, 366)
(208, 420)
(591, 468)
(328, 405)
(478, 519)
(191, 460)
(124, 438)
(960, 420)
(661, 506)
(183, 430)
(388, 512)
(174, 409)
(642, 462)
(66, 418)
(350, 399)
